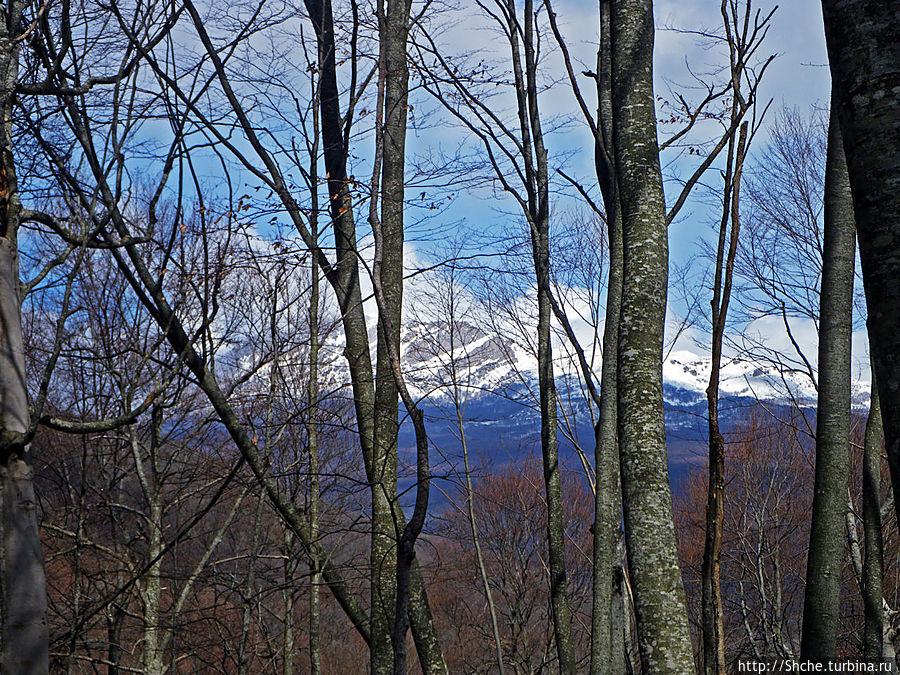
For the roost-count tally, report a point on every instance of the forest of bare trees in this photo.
(346, 336)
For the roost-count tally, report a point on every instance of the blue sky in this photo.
(798, 78)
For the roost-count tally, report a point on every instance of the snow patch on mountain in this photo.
(475, 360)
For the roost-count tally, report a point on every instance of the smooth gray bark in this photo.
(873, 563)
(662, 623)
(821, 607)
(864, 56)
(23, 601)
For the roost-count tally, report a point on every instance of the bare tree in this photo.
(518, 160)
(865, 66)
(343, 276)
(743, 38)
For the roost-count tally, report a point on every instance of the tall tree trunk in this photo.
(712, 613)
(312, 429)
(864, 55)
(288, 642)
(608, 607)
(821, 607)
(152, 648)
(534, 156)
(389, 182)
(873, 563)
(347, 290)
(662, 622)
(23, 598)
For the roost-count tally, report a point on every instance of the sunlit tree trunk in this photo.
(663, 635)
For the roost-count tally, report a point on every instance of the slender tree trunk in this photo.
(248, 591)
(288, 643)
(821, 608)
(114, 619)
(713, 617)
(147, 473)
(663, 634)
(608, 608)
(389, 270)
(873, 563)
(864, 55)
(315, 579)
(534, 156)
(312, 430)
(347, 290)
(152, 652)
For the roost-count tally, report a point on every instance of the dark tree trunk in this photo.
(821, 607)
(608, 608)
(711, 576)
(864, 55)
(533, 155)
(663, 634)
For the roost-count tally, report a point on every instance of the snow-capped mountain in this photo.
(492, 374)
(480, 361)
